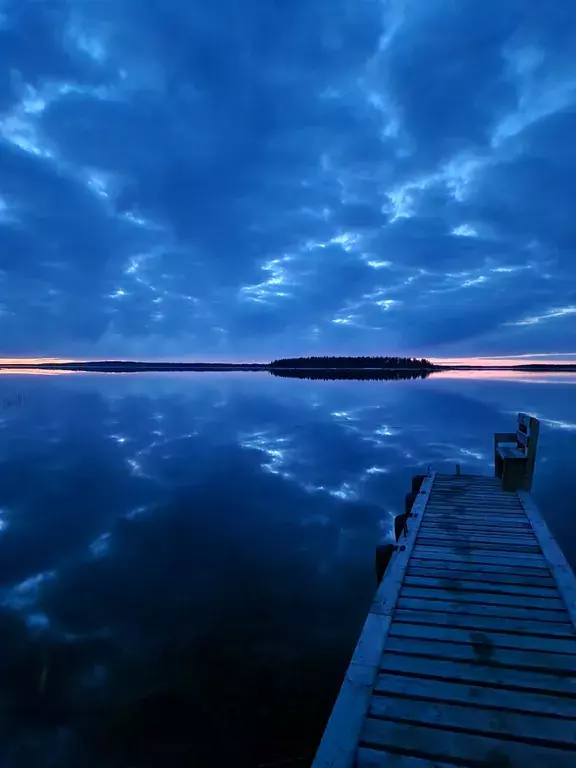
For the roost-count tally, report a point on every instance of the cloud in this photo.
(182, 179)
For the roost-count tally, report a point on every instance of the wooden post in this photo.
(531, 453)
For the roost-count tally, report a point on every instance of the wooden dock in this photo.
(468, 654)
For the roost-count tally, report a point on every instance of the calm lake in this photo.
(186, 560)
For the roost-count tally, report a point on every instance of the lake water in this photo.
(186, 560)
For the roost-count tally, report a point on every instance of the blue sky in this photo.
(233, 180)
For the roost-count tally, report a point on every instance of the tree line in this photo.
(357, 374)
(327, 362)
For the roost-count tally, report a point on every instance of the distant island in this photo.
(328, 367)
(354, 363)
(358, 374)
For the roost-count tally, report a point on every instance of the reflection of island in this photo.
(358, 374)
(359, 368)
(340, 363)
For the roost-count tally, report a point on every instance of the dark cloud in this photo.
(182, 178)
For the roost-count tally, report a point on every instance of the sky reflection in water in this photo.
(186, 560)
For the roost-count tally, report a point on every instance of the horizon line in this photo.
(477, 360)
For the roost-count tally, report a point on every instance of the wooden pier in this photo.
(468, 654)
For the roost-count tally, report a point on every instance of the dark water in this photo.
(186, 561)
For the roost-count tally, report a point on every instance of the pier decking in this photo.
(468, 654)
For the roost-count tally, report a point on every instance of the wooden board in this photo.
(487, 623)
(370, 758)
(491, 637)
(480, 650)
(552, 603)
(439, 743)
(480, 568)
(454, 607)
(455, 670)
(490, 721)
(441, 554)
(461, 692)
(484, 577)
(462, 585)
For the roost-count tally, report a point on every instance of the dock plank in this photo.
(462, 692)
(489, 637)
(531, 680)
(440, 554)
(485, 577)
(484, 598)
(481, 568)
(482, 650)
(370, 758)
(508, 529)
(525, 726)
(484, 623)
(463, 585)
(516, 545)
(481, 609)
(437, 743)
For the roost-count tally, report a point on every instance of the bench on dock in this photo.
(515, 454)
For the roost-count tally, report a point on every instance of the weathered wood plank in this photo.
(494, 541)
(484, 598)
(492, 523)
(436, 743)
(486, 623)
(471, 500)
(447, 528)
(449, 531)
(475, 517)
(371, 758)
(504, 529)
(455, 670)
(451, 525)
(481, 568)
(471, 518)
(464, 547)
(458, 493)
(545, 582)
(443, 557)
(482, 651)
(440, 554)
(477, 695)
(470, 609)
(339, 743)
(478, 586)
(470, 507)
(492, 637)
(488, 722)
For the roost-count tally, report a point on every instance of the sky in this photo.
(240, 181)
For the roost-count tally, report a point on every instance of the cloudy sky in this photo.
(241, 180)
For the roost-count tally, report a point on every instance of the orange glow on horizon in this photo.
(551, 358)
(525, 377)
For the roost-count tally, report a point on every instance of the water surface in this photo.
(186, 560)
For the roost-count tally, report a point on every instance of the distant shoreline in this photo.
(120, 366)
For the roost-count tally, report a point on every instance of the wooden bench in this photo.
(515, 454)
